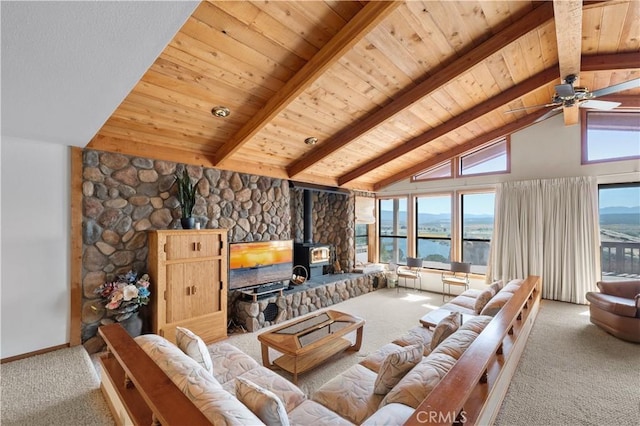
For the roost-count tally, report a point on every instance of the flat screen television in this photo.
(259, 262)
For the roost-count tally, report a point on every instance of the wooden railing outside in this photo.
(620, 258)
(472, 391)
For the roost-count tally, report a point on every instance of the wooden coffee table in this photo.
(308, 341)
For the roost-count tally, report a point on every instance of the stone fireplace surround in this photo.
(124, 197)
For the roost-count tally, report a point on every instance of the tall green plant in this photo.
(186, 193)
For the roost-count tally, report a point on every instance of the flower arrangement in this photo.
(124, 296)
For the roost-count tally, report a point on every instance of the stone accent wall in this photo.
(297, 302)
(333, 223)
(124, 197)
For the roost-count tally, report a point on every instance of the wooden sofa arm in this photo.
(147, 393)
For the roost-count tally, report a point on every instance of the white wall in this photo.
(34, 284)
(543, 151)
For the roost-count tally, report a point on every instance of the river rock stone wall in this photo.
(333, 219)
(297, 302)
(124, 197)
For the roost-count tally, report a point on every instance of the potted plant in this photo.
(187, 198)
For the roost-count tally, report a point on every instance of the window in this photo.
(362, 243)
(490, 159)
(619, 208)
(441, 171)
(433, 231)
(393, 230)
(610, 136)
(477, 229)
(493, 158)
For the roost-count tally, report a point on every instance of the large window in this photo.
(477, 229)
(610, 136)
(433, 230)
(392, 230)
(619, 207)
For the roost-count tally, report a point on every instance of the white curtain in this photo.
(548, 228)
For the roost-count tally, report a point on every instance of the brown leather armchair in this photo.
(616, 308)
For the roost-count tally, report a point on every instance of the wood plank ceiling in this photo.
(388, 88)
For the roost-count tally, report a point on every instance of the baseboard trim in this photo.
(34, 353)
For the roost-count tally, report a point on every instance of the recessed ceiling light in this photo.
(311, 141)
(220, 111)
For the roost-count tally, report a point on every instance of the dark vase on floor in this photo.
(188, 222)
(133, 325)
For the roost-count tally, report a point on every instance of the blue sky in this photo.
(620, 197)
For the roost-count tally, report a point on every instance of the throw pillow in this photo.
(482, 299)
(395, 366)
(446, 328)
(262, 402)
(192, 345)
(496, 286)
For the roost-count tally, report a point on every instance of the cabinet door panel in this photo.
(205, 294)
(192, 246)
(177, 298)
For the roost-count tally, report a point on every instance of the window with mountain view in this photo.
(477, 229)
(433, 230)
(392, 230)
(619, 208)
(610, 136)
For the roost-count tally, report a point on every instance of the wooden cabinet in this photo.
(188, 270)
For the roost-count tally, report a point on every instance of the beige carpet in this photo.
(57, 388)
(388, 314)
(573, 373)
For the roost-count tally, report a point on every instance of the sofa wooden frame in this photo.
(473, 390)
(139, 392)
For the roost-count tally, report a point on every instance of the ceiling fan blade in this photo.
(602, 105)
(631, 84)
(549, 114)
(531, 107)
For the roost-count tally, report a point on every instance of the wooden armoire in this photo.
(188, 270)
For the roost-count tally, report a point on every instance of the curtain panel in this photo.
(548, 228)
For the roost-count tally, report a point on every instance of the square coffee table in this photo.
(308, 341)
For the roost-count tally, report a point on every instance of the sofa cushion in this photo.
(445, 328)
(395, 366)
(420, 381)
(513, 285)
(312, 413)
(390, 414)
(262, 402)
(290, 395)
(452, 307)
(464, 301)
(374, 360)
(350, 394)
(229, 362)
(496, 303)
(482, 299)
(417, 334)
(192, 345)
(614, 304)
(496, 286)
(202, 389)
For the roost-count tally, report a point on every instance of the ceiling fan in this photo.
(567, 96)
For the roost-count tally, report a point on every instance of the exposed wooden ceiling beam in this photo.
(594, 63)
(568, 20)
(367, 19)
(461, 149)
(508, 35)
(515, 92)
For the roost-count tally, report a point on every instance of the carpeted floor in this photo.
(573, 373)
(388, 314)
(56, 388)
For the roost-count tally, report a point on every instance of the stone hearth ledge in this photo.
(317, 293)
